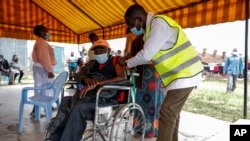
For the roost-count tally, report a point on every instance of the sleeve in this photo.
(161, 36)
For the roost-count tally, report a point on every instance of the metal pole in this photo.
(246, 59)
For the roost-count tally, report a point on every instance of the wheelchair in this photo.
(120, 122)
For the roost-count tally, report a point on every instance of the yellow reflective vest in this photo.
(180, 61)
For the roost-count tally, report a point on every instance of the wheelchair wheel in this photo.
(87, 135)
(129, 124)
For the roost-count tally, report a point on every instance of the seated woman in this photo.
(83, 108)
(16, 68)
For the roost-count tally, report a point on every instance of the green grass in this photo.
(211, 99)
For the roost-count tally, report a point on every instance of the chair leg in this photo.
(37, 112)
(20, 119)
(48, 111)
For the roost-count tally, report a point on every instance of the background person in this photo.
(16, 68)
(233, 68)
(5, 69)
(72, 66)
(44, 59)
(174, 58)
(129, 39)
(118, 53)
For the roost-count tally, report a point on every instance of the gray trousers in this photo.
(231, 82)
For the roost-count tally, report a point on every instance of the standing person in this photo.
(43, 57)
(92, 38)
(150, 93)
(72, 66)
(174, 58)
(233, 68)
(16, 68)
(80, 64)
(5, 69)
(118, 53)
(129, 39)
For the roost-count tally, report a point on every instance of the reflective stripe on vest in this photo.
(180, 61)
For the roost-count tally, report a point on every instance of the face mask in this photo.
(234, 53)
(47, 36)
(137, 32)
(102, 58)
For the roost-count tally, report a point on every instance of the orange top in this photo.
(43, 53)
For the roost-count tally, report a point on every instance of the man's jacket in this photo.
(4, 64)
(233, 65)
(180, 61)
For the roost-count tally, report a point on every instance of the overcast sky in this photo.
(220, 37)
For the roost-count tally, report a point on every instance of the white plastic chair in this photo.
(40, 99)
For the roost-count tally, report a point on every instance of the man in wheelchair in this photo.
(71, 119)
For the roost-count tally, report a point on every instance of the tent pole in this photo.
(246, 59)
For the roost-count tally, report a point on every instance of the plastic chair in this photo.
(40, 99)
(5, 78)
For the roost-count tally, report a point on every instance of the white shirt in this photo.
(161, 37)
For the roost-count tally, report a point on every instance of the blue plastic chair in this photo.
(40, 99)
(5, 79)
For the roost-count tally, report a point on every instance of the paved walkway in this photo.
(193, 127)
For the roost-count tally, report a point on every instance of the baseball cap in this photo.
(100, 43)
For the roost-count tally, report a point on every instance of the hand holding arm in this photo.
(90, 85)
(51, 75)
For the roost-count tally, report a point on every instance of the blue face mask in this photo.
(47, 36)
(102, 58)
(137, 32)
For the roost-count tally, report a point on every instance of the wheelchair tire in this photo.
(129, 124)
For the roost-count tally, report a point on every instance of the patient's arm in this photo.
(91, 83)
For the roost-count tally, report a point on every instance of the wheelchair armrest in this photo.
(116, 87)
(120, 83)
(110, 87)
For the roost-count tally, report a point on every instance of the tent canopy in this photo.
(70, 21)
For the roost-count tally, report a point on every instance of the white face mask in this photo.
(102, 58)
(234, 53)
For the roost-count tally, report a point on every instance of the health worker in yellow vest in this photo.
(174, 58)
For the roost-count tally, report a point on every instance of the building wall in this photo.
(9, 47)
